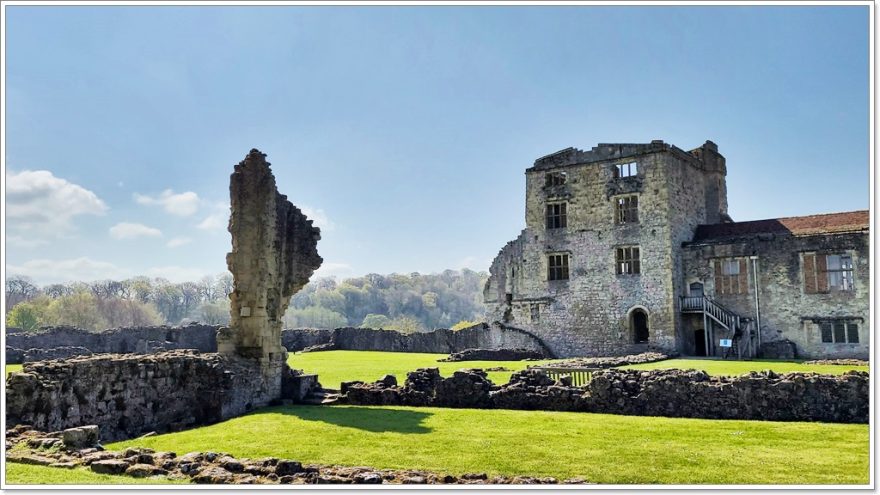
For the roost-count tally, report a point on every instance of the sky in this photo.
(403, 131)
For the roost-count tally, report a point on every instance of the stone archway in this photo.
(638, 324)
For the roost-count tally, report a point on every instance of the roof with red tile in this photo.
(829, 223)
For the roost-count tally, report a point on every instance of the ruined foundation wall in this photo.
(130, 395)
(63, 342)
(441, 341)
(672, 393)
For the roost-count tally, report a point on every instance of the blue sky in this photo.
(404, 130)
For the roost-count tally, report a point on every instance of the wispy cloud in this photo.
(183, 204)
(46, 271)
(126, 230)
(319, 218)
(217, 220)
(43, 205)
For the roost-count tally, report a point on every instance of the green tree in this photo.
(375, 321)
(405, 324)
(77, 310)
(213, 313)
(27, 315)
(463, 324)
(313, 317)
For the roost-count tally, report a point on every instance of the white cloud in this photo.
(42, 204)
(126, 230)
(333, 270)
(217, 221)
(178, 241)
(219, 218)
(45, 271)
(183, 204)
(319, 218)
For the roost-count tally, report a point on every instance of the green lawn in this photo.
(27, 474)
(601, 448)
(727, 367)
(12, 367)
(334, 367)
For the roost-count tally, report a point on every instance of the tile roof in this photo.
(829, 223)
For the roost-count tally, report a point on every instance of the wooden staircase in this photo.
(741, 331)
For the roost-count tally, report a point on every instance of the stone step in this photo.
(320, 398)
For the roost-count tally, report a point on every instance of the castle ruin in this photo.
(630, 246)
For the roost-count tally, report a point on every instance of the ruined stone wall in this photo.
(130, 395)
(590, 314)
(62, 342)
(274, 252)
(787, 312)
(440, 341)
(672, 393)
(297, 339)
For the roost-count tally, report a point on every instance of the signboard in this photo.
(726, 343)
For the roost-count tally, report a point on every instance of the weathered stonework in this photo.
(64, 342)
(596, 311)
(786, 310)
(673, 393)
(273, 255)
(130, 395)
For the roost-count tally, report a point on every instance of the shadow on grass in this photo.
(363, 418)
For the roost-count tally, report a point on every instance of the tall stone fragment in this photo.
(274, 252)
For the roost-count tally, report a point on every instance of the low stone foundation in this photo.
(52, 449)
(130, 395)
(839, 362)
(671, 393)
(610, 362)
(492, 355)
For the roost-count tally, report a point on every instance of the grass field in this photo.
(334, 367)
(27, 474)
(727, 367)
(601, 448)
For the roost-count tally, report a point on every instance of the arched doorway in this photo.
(639, 325)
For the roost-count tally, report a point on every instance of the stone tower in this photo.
(597, 269)
(274, 252)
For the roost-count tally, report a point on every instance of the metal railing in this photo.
(580, 377)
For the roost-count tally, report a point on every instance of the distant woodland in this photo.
(408, 303)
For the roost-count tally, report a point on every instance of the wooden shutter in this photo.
(719, 280)
(810, 274)
(743, 277)
(821, 273)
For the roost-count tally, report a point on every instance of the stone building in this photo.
(629, 247)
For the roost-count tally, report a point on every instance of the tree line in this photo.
(408, 303)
